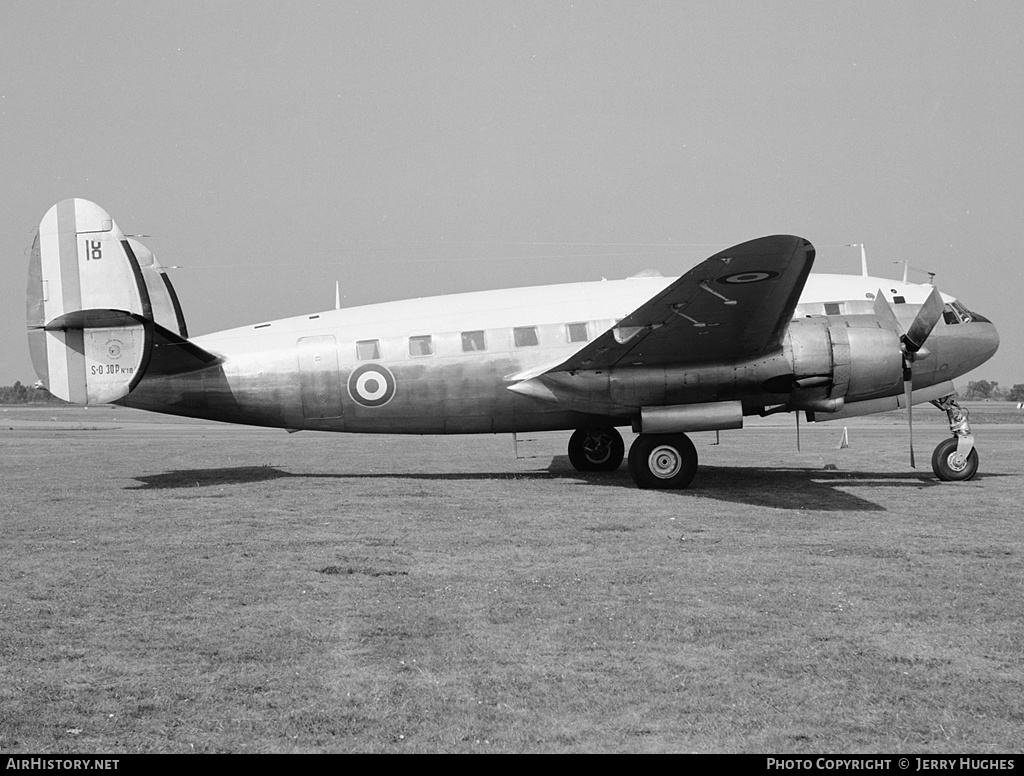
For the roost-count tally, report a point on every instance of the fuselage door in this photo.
(318, 377)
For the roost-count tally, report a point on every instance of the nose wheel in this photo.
(952, 465)
(955, 459)
(662, 461)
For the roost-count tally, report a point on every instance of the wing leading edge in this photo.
(733, 306)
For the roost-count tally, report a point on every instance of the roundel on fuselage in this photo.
(371, 385)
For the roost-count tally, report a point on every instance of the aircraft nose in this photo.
(992, 339)
(961, 347)
(981, 343)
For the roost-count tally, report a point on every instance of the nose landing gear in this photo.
(955, 459)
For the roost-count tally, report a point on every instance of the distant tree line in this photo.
(990, 391)
(23, 394)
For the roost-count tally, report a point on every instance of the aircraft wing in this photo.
(732, 306)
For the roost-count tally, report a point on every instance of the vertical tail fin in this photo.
(96, 301)
(162, 297)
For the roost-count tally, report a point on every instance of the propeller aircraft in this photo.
(747, 332)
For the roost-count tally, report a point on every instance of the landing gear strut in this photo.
(596, 449)
(955, 459)
(662, 461)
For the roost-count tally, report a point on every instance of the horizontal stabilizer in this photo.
(91, 364)
(173, 354)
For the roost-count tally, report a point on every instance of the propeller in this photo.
(912, 345)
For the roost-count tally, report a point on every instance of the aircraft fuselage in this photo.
(442, 365)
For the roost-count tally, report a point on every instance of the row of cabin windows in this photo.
(953, 312)
(472, 341)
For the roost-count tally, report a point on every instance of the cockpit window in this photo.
(963, 312)
(954, 312)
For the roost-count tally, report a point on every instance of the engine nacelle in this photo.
(842, 358)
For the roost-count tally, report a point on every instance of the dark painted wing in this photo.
(731, 307)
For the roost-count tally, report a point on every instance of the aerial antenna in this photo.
(863, 257)
(907, 267)
(337, 294)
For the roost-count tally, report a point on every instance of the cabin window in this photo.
(473, 341)
(421, 346)
(899, 300)
(577, 332)
(368, 350)
(525, 336)
(832, 308)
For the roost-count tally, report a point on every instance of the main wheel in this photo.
(951, 467)
(596, 449)
(663, 461)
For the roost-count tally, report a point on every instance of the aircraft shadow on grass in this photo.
(243, 475)
(776, 488)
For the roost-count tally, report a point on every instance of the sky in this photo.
(404, 149)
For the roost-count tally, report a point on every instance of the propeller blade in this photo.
(884, 311)
(925, 321)
(908, 393)
(912, 341)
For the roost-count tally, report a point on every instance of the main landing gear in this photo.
(662, 461)
(596, 449)
(955, 459)
(659, 461)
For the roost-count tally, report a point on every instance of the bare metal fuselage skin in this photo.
(304, 372)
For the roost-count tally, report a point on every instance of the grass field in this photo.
(179, 586)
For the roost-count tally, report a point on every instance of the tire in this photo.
(944, 466)
(663, 461)
(596, 449)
